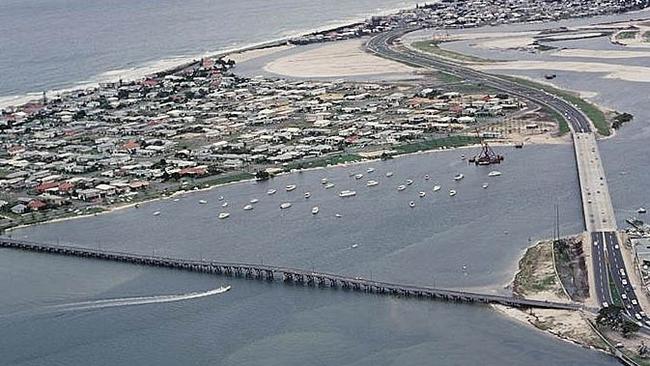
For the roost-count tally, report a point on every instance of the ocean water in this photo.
(59, 44)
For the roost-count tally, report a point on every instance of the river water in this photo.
(254, 323)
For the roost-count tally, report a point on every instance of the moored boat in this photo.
(452, 192)
(436, 188)
(285, 205)
(411, 204)
(290, 187)
(422, 194)
(224, 215)
(401, 187)
(409, 182)
(358, 176)
(389, 174)
(271, 191)
(494, 173)
(372, 183)
(458, 177)
(315, 210)
(307, 195)
(329, 185)
(347, 193)
(248, 207)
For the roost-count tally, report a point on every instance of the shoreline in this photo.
(149, 68)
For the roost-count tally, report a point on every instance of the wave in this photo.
(133, 301)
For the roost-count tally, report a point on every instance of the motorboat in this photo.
(358, 176)
(411, 204)
(329, 185)
(315, 210)
(427, 177)
(323, 181)
(485, 185)
(347, 193)
(271, 191)
(452, 192)
(401, 187)
(224, 215)
(220, 198)
(641, 210)
(494, 173)
(225, 204)
(338, 216)
(389, 174)
(157, 213)
(355, 245)
(290, 187)
(409, 182)
(372, 183)
(422, 194)
(203, 202)
(285, 205)
(370, 170)
(176, 200)
(248, 207)
(307, 195)
(458, 177)
(436, 188)
(254, 201)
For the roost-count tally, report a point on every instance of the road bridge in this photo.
(288, 275)
(600, 222)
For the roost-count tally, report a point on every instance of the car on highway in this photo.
(624, 282)
(624, 296)
(634, 302)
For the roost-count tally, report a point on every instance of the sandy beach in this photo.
(339, 59)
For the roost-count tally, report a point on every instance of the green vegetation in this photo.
(433, 48)
(557, 117)
(593, 112)
(536, 270)
(616, 296)
(447, 78)
(450, 141)
(646, 36)
(627, 34)
(612, 317)
(322, 162)
(223, 179)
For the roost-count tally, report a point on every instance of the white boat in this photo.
(358, 176)
(436, 188)
(225, 289)
(422, 194)
(458, 177)
(338, 216)
(401, 187)
(641, 210)
(224, 215)
(157, 213)
(452, 192)
(329, 185)
(389, 174)
(323, 181)
(220, 198)
(370, 170)
(372, 183)
(315, 210)
(307, 194)
(271, 191)
(254, 201)
(485, 185)
(347, 193)
(427, 177)
(494, 173)
(176, 199)
(411, 204)
(290, 187)
(203, 202)
(225, 204)
(354, 246)
(409, 182)
(285, 205)
(248, 207)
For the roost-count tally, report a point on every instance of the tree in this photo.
(629, 328)
(262, 175)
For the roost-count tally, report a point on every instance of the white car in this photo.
(624, 296)
(624, 282)
(634, 302)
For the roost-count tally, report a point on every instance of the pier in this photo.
(290, 276)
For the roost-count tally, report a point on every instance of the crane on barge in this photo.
(486, 156)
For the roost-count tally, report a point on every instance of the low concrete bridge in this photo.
(288, 275)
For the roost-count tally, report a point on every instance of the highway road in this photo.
(600, 222)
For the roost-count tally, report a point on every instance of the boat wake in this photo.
(133, 301)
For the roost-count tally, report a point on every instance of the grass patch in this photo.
(323, 162)
(616, 296)
(627, 34)
(557, 117)
(594, 113)
(447, 78)
(450, 141)
(532, 276)
(223, 179)
(433, 48)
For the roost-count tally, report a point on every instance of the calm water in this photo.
(273, 324)
(54, 44)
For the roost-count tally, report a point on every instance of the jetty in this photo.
(287, 275)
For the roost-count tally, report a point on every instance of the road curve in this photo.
(384, 45)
